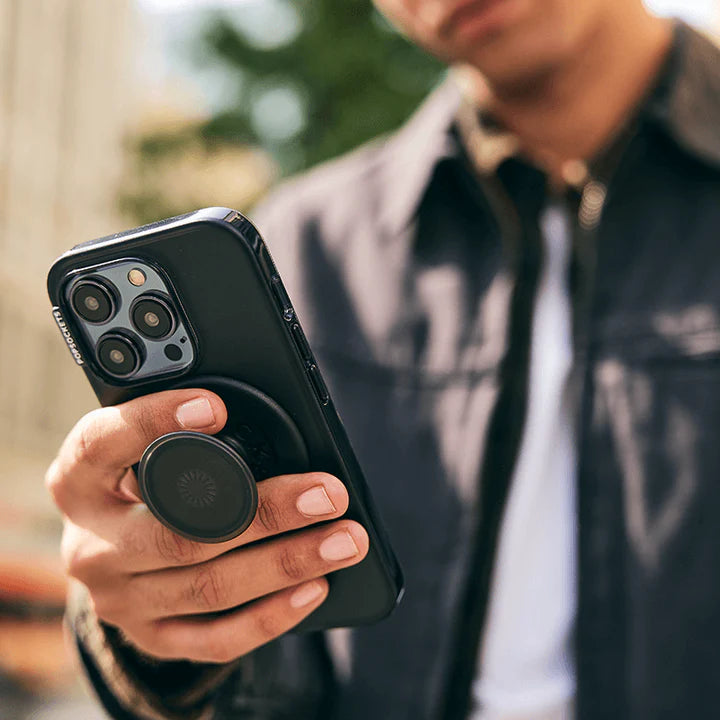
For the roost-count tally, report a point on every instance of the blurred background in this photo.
(121, 112)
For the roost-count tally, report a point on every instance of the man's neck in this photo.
(573, 112)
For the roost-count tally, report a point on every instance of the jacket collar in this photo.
(686, 99)
(684, 103)
(413, 153)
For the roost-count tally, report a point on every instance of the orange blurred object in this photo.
(32, 646)
(33, 579)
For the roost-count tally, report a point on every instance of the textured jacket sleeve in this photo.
(132, 685)
(291, 678)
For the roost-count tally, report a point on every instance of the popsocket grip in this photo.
(204, 487)
(198, 485)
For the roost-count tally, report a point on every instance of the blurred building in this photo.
(65, 101)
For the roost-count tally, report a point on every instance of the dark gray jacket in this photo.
(397, 261)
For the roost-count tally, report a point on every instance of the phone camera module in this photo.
(152, 318)
(93, 302)
(118, 356)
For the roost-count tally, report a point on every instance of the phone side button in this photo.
(301, 343)
(280, 294)
(318, 384)
(282, 297)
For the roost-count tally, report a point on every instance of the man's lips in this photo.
(473, 18)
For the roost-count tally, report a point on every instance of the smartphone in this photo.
(196, 301)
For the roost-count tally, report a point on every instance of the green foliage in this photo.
(336, 76)
(354, 77)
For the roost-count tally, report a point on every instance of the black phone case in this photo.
(245, 329)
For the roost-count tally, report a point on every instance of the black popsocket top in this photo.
(198, 486)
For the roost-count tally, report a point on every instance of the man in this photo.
(515, 300)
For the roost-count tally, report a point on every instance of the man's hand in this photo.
(174, 598)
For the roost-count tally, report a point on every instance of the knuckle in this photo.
(149, 597)
(219, 650)
(268, 515)
(147, 422)
(153, 640)
(108, 608)
(268, 626)
(87, 448)
(73, 565)
(173, 548)
(207, 590)
(130, 542)
(54, 483)
(291, 564)
(78, 563)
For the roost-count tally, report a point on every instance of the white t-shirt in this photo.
(526, 664)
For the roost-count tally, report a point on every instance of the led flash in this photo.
(137, 277)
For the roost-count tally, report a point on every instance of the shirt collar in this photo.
(684, 103)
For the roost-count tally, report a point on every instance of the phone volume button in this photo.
(318, 384)
(300, 342)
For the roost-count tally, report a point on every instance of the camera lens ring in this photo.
(118, 355)
(93, 301)
(152, 317)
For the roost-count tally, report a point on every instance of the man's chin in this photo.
(513, 63)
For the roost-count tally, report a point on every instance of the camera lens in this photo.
(118, 356)
(93, 302)
(152, 318)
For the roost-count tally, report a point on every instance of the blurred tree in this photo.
(343, 77)
(303, 80)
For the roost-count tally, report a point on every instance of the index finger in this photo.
(96, 454)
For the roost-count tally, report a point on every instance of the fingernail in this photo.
(339, 546)
(306, 594)
(315, 501)
(195, 414)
